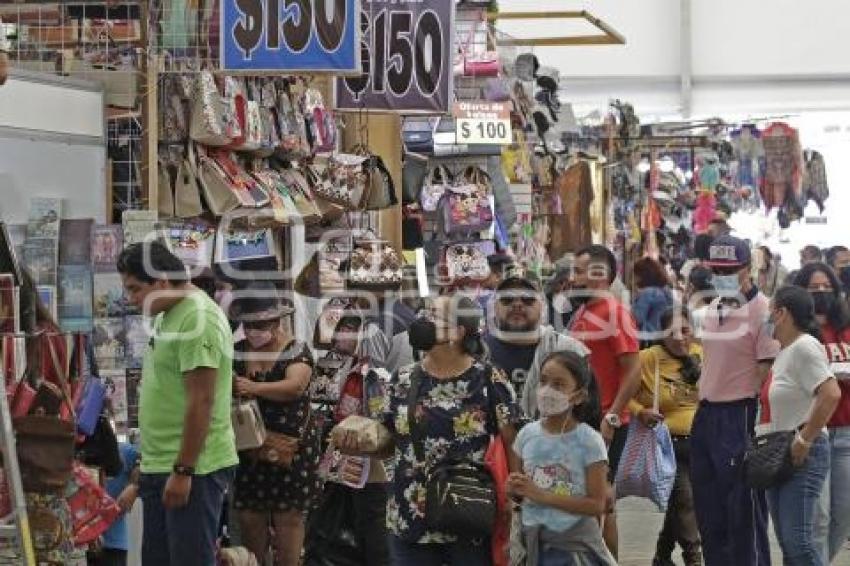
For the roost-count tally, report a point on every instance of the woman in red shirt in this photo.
(832, 316)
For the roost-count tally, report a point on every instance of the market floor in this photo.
(640, 522)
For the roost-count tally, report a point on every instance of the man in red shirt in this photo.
(609, 331)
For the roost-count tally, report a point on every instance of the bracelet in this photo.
(799, 438)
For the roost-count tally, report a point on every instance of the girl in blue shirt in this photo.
(563, 486)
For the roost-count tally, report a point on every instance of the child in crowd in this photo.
(124, 489)
(563, 486)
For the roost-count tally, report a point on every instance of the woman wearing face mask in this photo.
(564, 463)
(275, 369)
(802, 396)
(458, 400)
(678, 359)
(832, 317)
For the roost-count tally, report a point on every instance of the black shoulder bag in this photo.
(767, 462)
(461, 494)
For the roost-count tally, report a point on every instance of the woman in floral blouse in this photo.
(452, 412)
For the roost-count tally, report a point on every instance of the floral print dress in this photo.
(452, 415)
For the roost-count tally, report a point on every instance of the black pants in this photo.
(680, 522)
(370, 520)
(109, 557)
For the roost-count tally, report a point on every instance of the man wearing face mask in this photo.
(608, 330)
(838, 258)
(518, 339)
(738, 353)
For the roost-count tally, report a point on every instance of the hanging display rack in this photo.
(608, 35)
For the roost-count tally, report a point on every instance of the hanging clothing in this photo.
(748, 151)
(815, 186)
(572, 231)
(784, 167)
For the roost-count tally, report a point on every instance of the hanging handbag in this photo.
(216, 187)
(348, 175)
(212, 123)
(496, 90)
(466, 209)
(250, 193)
(417, 135)
(767, 462)
(46, 443)
(248, 425)
(467, 261)
(374, 265)
(187, 197)
(461, 495)
(435, 186)
(413, 174)
(92, 509)
(302, 196)
(331, 314)
(380, 189)
(165, 190)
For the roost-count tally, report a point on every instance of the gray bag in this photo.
(504, 200)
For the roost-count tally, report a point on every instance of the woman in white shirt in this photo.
(802, 396)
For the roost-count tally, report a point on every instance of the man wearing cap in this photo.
(608, 329)
(517, 338)
(738, 351)
(188, 447)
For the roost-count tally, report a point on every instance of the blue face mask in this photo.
(726, 285)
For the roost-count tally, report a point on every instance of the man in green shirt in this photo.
(187, 442)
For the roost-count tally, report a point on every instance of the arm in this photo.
(200, 395)
(630, 382)
(508, 435)
(294, 384)
(763, 370)
(827, 396)
(592, 505)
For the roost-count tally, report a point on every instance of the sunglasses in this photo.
(527, 300)
(261, 324)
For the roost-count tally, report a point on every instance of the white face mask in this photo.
(551, 402)
(726, 284)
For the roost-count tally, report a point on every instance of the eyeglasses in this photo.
(527, 300)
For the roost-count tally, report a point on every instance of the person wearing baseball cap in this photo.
(738, 354)
(518, 338)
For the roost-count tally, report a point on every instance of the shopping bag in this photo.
(648, 465)
(496, 460)
(92, 509)
(331, 539)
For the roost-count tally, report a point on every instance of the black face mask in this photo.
(844, 274)
(422, 334)
(824, 302)
(578, 298)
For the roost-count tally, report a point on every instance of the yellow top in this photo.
(678, 400)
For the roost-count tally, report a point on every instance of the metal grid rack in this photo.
(96, 40)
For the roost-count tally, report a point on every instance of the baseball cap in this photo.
(728, 251)
(519, 280)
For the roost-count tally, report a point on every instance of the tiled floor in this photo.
(639, 524)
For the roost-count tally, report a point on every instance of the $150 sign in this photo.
(406, 57)
(290, 35)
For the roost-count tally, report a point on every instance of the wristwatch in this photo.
(182, 470)
(613, 419)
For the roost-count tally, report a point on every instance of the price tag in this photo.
(483, 123)
(290, 35)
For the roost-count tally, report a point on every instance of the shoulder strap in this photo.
(490, 389)
(412, 398)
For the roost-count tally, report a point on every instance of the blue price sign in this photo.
(290, 35)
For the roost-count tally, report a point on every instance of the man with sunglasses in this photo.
(517, 338)
(738, 352)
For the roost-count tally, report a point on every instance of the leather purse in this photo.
(280, 449)
(248, 425)
(461, 497)
(767, 462)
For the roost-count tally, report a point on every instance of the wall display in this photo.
(406, 49)
(483, 123)
(290, 35)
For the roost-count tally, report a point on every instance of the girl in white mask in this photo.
(563, 485)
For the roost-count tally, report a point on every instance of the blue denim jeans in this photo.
(185, 536)
(793, 507)
(833, 525)
(461, 553)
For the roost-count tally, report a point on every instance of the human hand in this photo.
(244, 387)
(649, 417)
(177, 490)
(127, 498)
(523, 486)
(799, 452)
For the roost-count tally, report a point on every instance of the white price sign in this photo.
(483, 123)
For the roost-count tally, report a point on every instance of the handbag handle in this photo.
(656, 394)
(62, 375)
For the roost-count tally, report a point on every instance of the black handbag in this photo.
(460, 494)
(767, 462)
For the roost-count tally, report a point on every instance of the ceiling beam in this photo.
(608, 35)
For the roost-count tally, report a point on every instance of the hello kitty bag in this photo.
(467, 261)
(466, 209)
